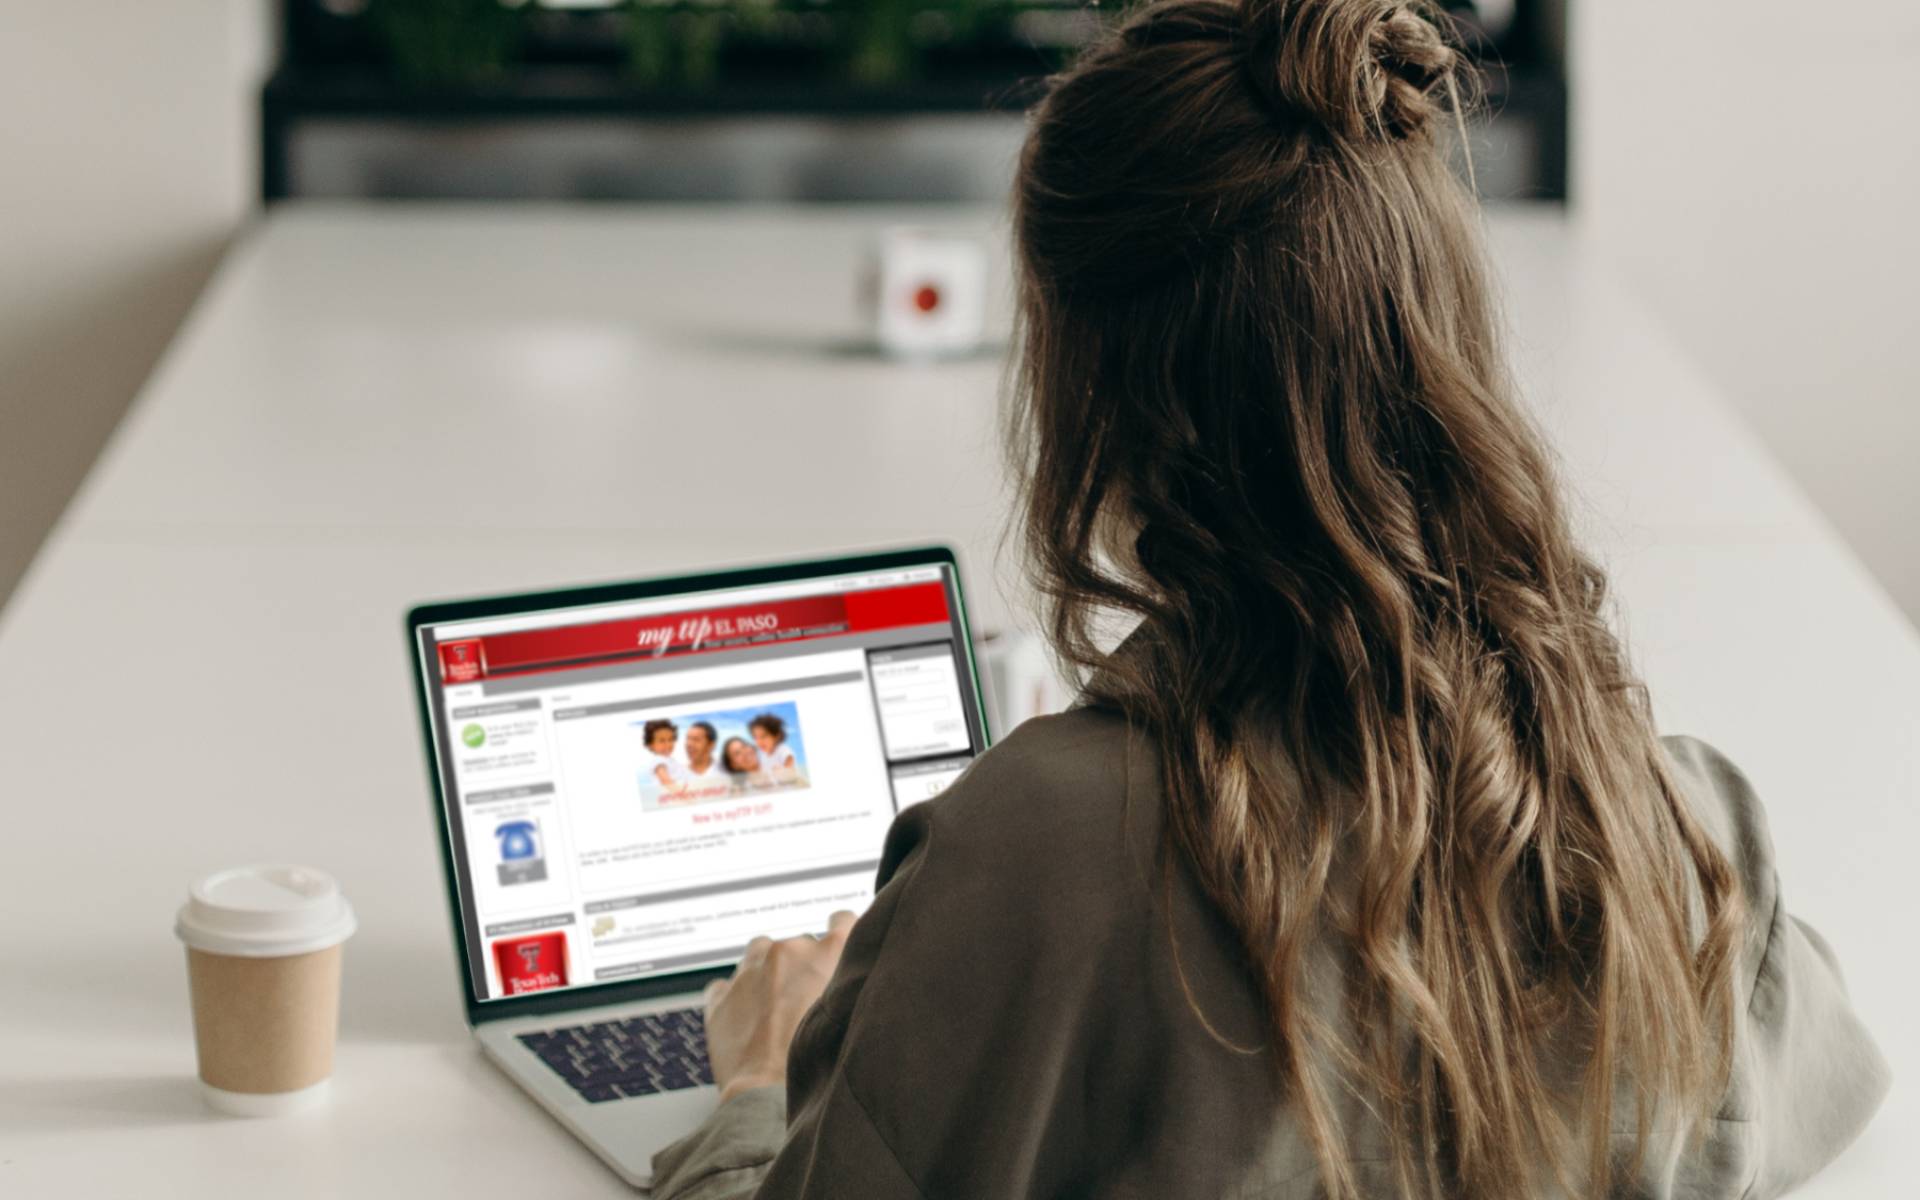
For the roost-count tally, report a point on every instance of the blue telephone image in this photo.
(521, 857)
(518, 839)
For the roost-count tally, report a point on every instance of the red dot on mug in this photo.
(927, 298)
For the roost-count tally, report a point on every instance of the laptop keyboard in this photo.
(635, 1056)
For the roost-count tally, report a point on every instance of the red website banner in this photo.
(698, 631)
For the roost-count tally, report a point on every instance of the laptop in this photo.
(631, 782)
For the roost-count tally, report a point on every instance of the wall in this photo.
(1754, 169)
(127, 159)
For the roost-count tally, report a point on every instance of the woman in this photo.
(1359, 870)
(742, 763)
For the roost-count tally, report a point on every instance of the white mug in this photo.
(929, 292)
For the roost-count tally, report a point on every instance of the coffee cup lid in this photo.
(264, 912)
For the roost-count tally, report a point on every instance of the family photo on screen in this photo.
(699, 757)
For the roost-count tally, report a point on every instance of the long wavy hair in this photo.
(1263, 416)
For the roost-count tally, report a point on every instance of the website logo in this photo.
(462, 662)
(531, 964)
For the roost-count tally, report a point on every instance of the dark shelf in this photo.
(1003, 83)
(561, 92)
(578, 91)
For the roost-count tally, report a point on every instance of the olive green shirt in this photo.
(1007, 1019)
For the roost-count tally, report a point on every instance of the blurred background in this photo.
(311, 310)
(1750, 167)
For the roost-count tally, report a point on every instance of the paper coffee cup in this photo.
(263, 965)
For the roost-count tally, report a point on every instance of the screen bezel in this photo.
(443, 612)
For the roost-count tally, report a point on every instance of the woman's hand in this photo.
(751, 1017)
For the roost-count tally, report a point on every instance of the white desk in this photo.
(375, 406)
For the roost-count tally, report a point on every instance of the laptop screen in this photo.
(640, 788)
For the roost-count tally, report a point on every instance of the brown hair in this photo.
(1263, 414)
(726, 757)
(657, 725)
(774, 727)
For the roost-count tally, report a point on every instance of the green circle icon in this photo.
(474, 736)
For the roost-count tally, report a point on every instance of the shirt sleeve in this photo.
(1816, 1077)
(1806, 1075)
(828, 1146)
(728, 1155)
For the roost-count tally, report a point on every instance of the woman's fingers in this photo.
(751, 1018)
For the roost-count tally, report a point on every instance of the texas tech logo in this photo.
(531, 964)
(462, 662)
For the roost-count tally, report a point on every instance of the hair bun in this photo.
(1361, 68)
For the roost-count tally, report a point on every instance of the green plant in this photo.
(675, 41)
(884, 37)
(441, 42)
(880, 48)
